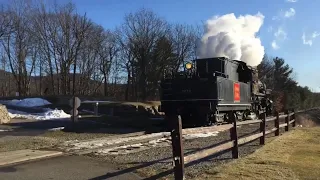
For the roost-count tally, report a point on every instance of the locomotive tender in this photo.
(212, 91)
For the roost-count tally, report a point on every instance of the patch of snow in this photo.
(122, 149)
(161, 140)
(49, 114)
(53, 114)
(133, 148)
(56, 129)
(200, 135)
(18, 114)
(74, 145)
(5, 130)
(28, 102)
(89, 102)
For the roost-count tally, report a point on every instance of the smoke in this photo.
(234, 38)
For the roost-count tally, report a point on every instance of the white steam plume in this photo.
(234, 38)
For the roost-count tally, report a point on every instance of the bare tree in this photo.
(45, 28)
(18, 45)
(5, 22)
(126, 60)
(108, 52)
(141, 30)
(88, 63)
(164, 57)
(183, 38)
(67, 33)
(81, 29)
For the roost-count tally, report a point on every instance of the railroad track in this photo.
(118, 141)
(139, 141)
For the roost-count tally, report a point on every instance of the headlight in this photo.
(188, 66)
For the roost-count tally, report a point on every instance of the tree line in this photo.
(42, 45)
(286, 93)
(48, 40)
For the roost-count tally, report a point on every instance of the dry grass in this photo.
(294, 155)
(304, 121)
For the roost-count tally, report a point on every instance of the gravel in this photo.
(40, 139)
(13, 143)
(68, 136)
(156, 163)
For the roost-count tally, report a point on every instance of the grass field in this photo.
(294, 155)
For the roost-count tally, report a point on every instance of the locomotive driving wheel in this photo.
(210, 118)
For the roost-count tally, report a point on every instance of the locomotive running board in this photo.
(234, 104)
(192, 100)
(232, 107)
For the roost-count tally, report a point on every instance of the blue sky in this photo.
(285, 23)
(289, 19)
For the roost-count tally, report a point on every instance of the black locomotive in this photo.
(210, 91)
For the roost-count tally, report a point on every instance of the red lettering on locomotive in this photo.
(236, 92)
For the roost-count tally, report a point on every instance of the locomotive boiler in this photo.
(214, 90)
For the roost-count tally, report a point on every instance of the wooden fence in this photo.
(177, 147)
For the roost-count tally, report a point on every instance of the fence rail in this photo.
(177, 146)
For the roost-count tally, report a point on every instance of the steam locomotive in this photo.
(213, 91)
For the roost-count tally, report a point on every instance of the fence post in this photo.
(287, 120)
(258, 114)
(263, 129)
(177, 148)
(277, 124)
(294, 118)
(234, 137)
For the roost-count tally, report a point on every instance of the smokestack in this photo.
(234, 38)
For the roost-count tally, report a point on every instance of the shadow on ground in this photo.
(102, 124)
(169, 172)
